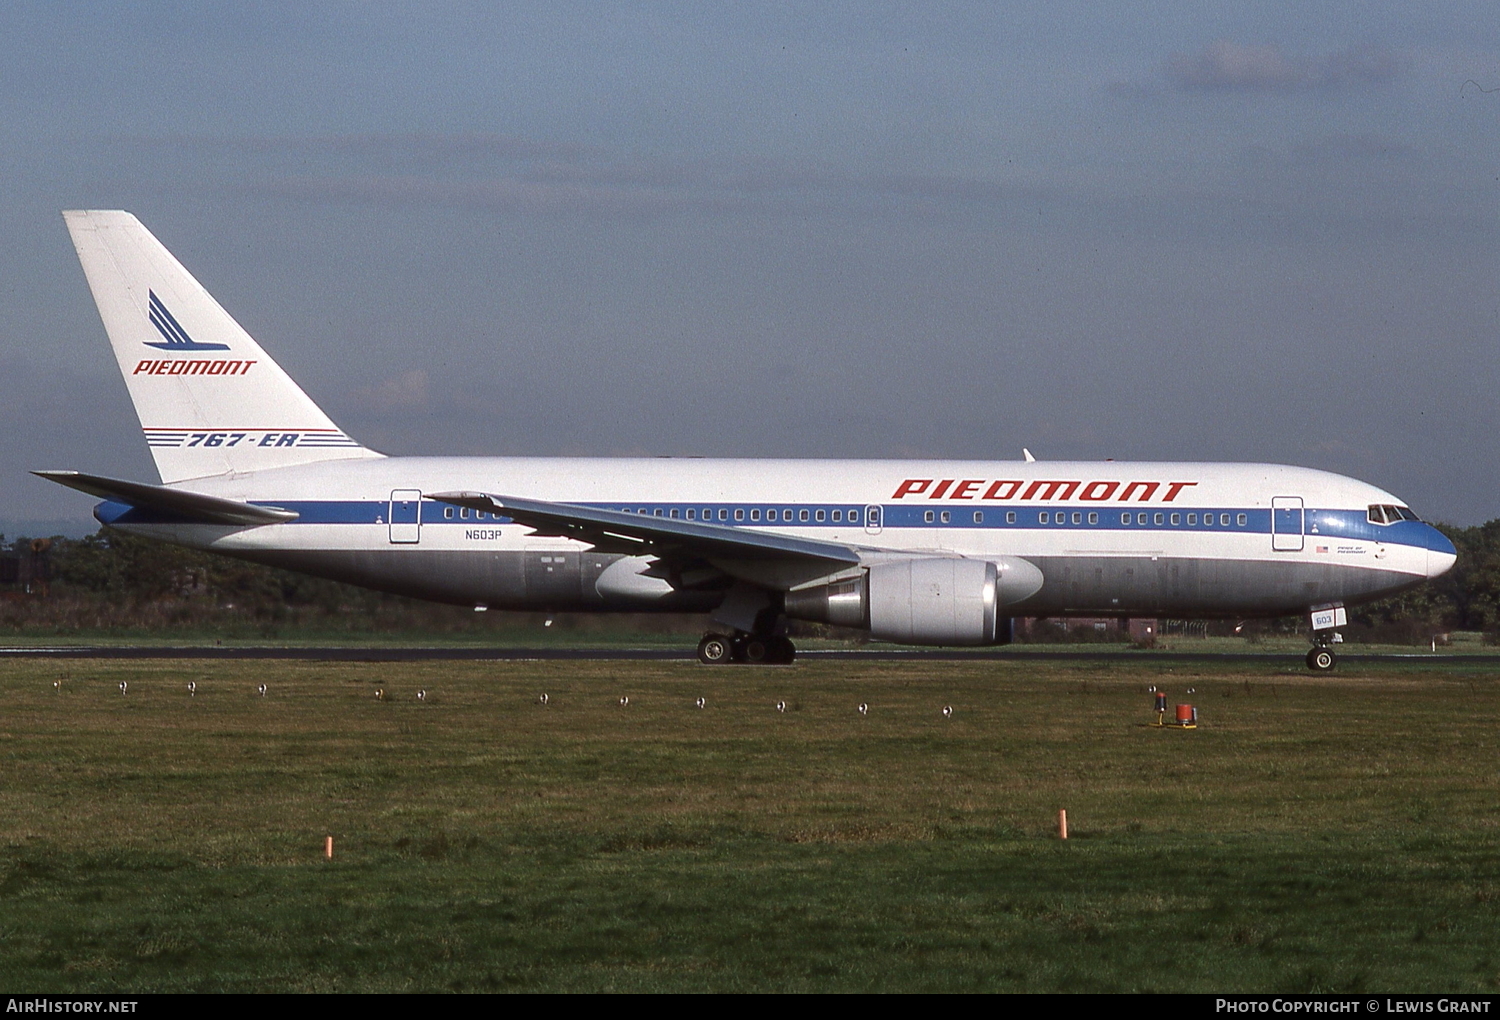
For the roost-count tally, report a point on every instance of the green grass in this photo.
(1314, 835)
(518, 635)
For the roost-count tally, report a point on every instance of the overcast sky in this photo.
(1148, 231)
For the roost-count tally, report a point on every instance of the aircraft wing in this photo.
(193, 506)
(643, 535)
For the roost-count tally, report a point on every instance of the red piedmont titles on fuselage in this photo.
(1041, 489)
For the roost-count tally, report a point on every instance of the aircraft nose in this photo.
(1440, 554)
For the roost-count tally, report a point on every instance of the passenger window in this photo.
(723, 515)
(1077, 517)
(739, 514)
(927, 517)
(1192, 519)
(1093, 518)
(755, 514)
(1242, 520)
(1042, 517)
(947, 517)
(464, 513)
(819, 515)
(673, 512)
(448, 512)
(658, 511)
(771, 514)
(802, 515)
(838, 515)
(1140, 518)
(1224, 520)
(1010, 517)
(1158, 520)
(978, 516)
(1176, 520)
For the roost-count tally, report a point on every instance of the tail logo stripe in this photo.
(176, 337)
(256, 437)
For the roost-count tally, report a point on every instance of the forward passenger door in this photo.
(1287, 521)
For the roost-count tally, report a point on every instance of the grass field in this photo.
(1328, 834)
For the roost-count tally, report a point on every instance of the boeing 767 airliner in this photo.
(914, 552)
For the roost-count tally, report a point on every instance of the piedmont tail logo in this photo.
(176, 339)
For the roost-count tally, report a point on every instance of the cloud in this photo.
(1224, 66)
(405, 392)
(493, 172)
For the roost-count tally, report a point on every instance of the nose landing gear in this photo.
(1321, 659)
(1324, 619)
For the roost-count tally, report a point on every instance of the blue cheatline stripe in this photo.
(1330, 525)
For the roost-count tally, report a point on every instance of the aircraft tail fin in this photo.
(209, 399)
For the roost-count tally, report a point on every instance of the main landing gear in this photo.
(719, 649)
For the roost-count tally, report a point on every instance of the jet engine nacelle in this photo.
(923, 600)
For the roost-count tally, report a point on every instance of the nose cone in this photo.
(1440, 553)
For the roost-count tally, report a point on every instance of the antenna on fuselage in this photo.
(1027, 454)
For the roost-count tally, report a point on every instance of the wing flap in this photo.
(194, 506)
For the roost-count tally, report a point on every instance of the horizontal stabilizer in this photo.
(191, 505)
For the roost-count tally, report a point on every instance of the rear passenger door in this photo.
(405, 516)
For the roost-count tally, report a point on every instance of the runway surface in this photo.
(687, 653)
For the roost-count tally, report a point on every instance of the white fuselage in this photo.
(1188, 539)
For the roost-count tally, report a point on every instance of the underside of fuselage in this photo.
(566, 581)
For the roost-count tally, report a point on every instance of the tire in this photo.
(758, 650)
(1322, 660)
(782, 651)
(715, 650)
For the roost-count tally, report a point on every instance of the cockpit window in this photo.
(1391, 514)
